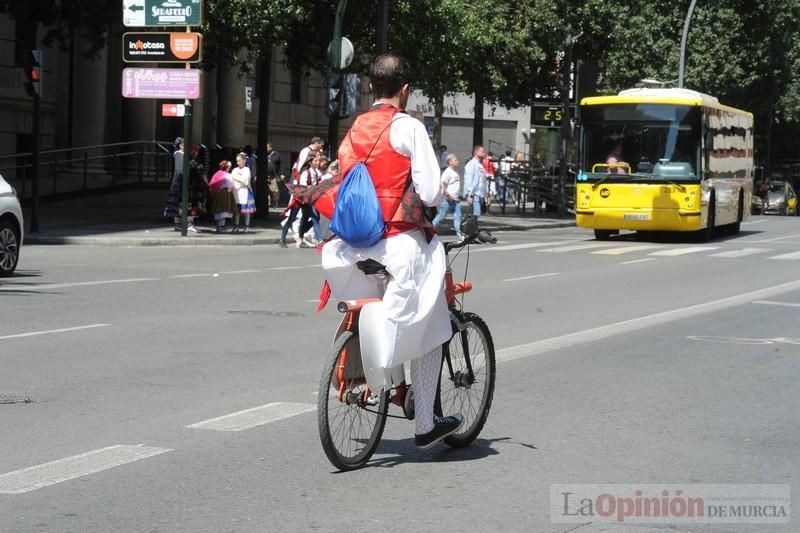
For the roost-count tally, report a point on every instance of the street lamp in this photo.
(683, 43)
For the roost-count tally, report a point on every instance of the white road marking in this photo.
(635, 324)
(533, 276)
(523, 246)
(751, 222)
(242, 272)
(47, 286)
(744, 252)
(49, 331)
(286, 268)
(576, 247)
(625, 249)
(46, 474)
(774, 239)
(198, 275)
(783, 304)
(786, 257)
(638, 261)
(256, 416)
(684, 251)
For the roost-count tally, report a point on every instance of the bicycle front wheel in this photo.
(466, 384)
(350, 418)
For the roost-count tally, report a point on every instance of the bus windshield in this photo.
(640, 142)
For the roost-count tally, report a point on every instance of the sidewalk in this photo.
(142, 227)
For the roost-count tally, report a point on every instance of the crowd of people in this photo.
(229, 198)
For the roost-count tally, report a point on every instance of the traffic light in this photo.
(32, 66)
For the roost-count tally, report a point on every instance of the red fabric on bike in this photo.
(324, 296)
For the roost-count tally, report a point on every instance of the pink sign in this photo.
(168, 83)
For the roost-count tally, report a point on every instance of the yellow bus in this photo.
(663, 160)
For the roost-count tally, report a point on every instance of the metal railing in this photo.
(535, 188)
(90, 168)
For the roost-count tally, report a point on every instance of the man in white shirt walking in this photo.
(451, 188)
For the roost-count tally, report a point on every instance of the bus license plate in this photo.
(636, 216)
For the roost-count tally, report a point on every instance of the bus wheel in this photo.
(708, 233)
(734, 228)
(603, 234)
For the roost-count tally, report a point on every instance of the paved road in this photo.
(601, 379)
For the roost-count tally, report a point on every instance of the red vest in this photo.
(389, 169)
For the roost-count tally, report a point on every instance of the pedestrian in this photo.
(443, 157)
(310, 217)
(298, 206)
(245, 200)
(475, 187)
(489, 166)
(451, 189)
(315, 146)
(503, 171)
(172, 207)
(223, 203)
(331, 173)
(412, 318)
(273, 174)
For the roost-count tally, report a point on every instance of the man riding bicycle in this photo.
(412, 319)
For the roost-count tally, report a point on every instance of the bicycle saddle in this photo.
(370, 267)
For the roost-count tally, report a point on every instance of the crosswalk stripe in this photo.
(46, 474)
(625, 249)
(575, 248)
(256, 416)
(786, 257)
(744, 252)
(684, 251)
(523, 246)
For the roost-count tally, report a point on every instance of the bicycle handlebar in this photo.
(481, 236)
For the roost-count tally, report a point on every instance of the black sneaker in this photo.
(282, 244)
(442, 427)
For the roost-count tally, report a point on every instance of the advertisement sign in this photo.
(173, 110)
(167, 83)
(137, 13)
(162, 47)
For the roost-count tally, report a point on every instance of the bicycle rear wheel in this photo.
(466, 384)
(350, 425)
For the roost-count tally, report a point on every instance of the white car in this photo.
(11, 228)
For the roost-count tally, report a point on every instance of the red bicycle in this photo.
(352, 417)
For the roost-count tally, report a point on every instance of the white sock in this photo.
(424, 377)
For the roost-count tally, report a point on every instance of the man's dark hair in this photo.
(315, 140)
(387, 74)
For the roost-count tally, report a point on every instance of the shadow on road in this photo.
(402, 451)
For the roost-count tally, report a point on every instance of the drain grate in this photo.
(13, 398)
(268, 313)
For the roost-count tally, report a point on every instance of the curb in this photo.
(219, 241)
(147, 241)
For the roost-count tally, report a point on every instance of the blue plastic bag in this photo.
(357, 217)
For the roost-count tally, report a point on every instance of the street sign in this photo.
(173, 110)
(168, 83)
(248, 99)
(162, 12)
(162, 47)
(346, 54)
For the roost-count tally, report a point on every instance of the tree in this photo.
(744, 52)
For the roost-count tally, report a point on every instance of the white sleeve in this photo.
(409, 137)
